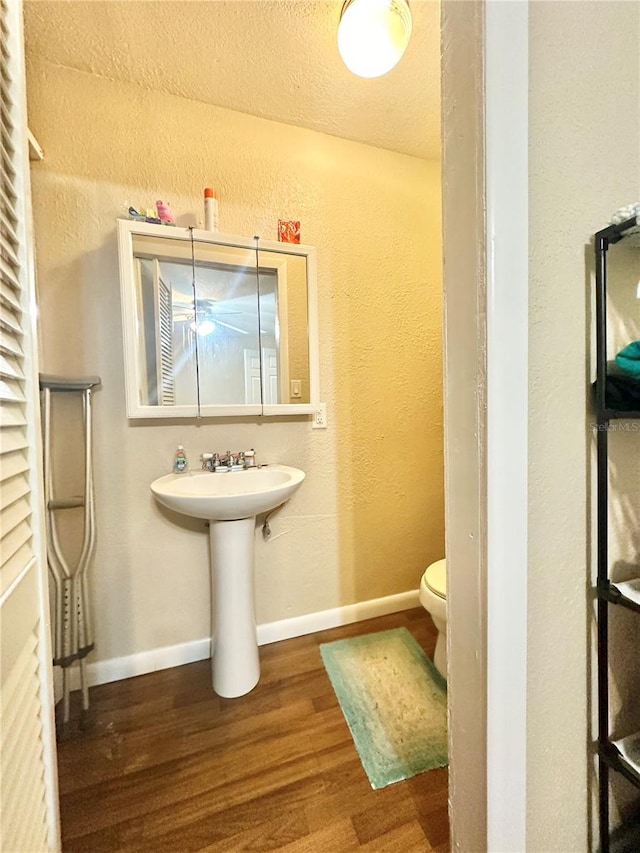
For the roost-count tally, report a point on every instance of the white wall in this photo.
(369, 516)
(584, 163)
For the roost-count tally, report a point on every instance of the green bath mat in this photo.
(394, 701)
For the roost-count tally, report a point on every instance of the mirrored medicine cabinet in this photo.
(216, 325)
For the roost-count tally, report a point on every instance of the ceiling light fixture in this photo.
(373, 35)
(204, 327)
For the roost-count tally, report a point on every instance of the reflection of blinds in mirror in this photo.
(164, 348)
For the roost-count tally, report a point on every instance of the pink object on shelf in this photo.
(165, 214)
(289, 230)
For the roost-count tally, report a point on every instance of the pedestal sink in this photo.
(230, 501)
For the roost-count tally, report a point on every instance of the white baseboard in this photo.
(115, 669)
(298, 626)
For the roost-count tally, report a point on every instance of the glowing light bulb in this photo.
(373, 35)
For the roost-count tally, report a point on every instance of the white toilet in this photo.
(433, 597)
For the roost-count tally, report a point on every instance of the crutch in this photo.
(72, 633)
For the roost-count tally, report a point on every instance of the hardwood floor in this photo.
(166, 765)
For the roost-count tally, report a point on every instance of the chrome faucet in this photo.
(226, 462)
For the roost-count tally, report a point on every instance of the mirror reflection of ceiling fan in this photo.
(208, 315)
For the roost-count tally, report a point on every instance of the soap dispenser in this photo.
(180, 461)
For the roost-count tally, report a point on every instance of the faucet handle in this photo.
(210, 461)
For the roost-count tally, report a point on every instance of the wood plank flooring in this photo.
(166, 765)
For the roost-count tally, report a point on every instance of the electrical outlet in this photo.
(319, 420)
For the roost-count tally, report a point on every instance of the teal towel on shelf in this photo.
(628, 359)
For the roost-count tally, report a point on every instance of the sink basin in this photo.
(227, 496)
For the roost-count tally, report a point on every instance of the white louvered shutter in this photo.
(164, 340)
(28, 790)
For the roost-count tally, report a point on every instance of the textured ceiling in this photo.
(276, 59)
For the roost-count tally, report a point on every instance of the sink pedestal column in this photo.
(235, 663)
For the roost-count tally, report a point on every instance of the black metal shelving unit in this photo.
(623, 755)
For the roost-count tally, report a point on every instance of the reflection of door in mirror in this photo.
(268, 390)
(270, 384)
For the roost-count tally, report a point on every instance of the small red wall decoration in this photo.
(288, 231)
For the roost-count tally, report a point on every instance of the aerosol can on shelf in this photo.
(211, 222)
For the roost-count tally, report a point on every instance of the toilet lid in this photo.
(436, 578)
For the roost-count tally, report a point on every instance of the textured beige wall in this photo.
(465, 417)
(369, 516)
(584, 163)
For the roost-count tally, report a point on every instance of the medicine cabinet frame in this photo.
(134, 363)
